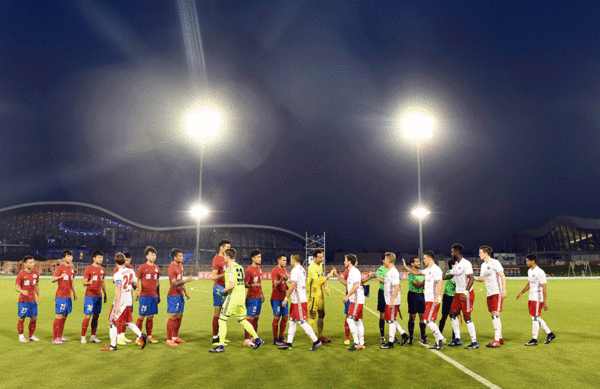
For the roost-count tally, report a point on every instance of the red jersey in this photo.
(280, 290)
(148, 276)
(344, 275)
(95, 274)
(220, 265)
(27, 281)
(253, 277)
(127, 266)
(175, 274)
(65, 283)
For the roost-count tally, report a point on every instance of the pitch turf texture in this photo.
(569, 361)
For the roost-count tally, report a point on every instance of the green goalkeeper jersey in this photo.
(381, 272)
(235, 273)
(450, 285)
(412, 278)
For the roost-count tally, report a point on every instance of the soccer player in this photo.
(316, 300)
(254, 297)
(536, 285)
(219, 265)
(392, 299)
(93, 280)
(279, 279)
(63, 274)
(235, 302)
(381, 302)
(121, 339)
(27, 284)
(343, 278)
(433, 295)
(149, 276)
(464, 297)
(492, 273)
(299, 306)
(449, 292)
(356, 295)
(120, 312)
(416, 301)
(175, 301)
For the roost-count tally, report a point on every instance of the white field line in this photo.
(460, 367)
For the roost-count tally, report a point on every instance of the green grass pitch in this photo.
(568, 362)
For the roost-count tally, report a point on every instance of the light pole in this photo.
(203, 125)
(418, 127)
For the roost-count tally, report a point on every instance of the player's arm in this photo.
(438, 293)
(478, 278)
(395, 293)
(117, 304)
(187, 296)
(447, 276)
(470, 279)
(177, 284)
(545, 306)
(292, 287)
(18, 289)
(158, 290)
(316, 278)
(342, 279)
(416, 272)
(352, 291)
(215, 272)
(73, 288)
(86, 279)
(229, 286)
(57, 276)
(248, 281)
(37, 294)
(525, 289)
(503, 277)
(104, 291)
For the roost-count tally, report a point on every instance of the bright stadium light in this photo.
(199, 212)
(203, 124)
(420, 212)
(417, 126)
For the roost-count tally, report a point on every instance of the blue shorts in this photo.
(92, 305)
(64, 305)
(148, 305)
(416, 303)
(217, 300)
(278, 310)
(27, 309)
(380, 301)
(346, 306)
(175, 304)
(253, 307)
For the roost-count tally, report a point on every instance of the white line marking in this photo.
(445, 357)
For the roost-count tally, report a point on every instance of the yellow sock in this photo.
(311, 322)
(248, 327)
(222, 331)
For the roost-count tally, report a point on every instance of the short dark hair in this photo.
(458, 247)
(149, 249)
(411, 260)
(531, 257)
(127, 254)
(223, 242)
(95, 253)
(280, 255)
(430, 254)
(231, 253)
(175, 252)
(120, 259)
(254, 253)
(351, 258)
(487, 249)
(67, 252)
(27, 258)
(317, 252)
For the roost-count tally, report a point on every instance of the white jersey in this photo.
(432, 274)
(491, 272)
(124, 278)
(537, 278)
(298, 275)
(392, 278)
(354, 278)
(460, 271)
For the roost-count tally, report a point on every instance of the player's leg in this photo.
(22, 311)
(283, 323)
(85, 324)
(422, 328)
(467, 308)
(178, 319)
(172, 310)
(412, 313)
(302, 316)
(276, 307)
(352, 325)
(32, 325)
(142, 311)
(112, 331)
(454, 316)
(217, 303)
(346, 326)
(431, 311)
(320, 324)
(381, 309)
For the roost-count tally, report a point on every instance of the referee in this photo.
(381, 272)
(416, 301)
(449, 292)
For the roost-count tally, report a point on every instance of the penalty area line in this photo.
(446, 358)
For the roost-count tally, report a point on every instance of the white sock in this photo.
(471, 328)
(309, 331)
(135, 329)
(291, 331)
(455, 327)
(535, 327)
(497, 327)
(353, 330)
(361, 331)
(112, 330)
(435, 330)
(121, 335)
(399, 328)
(392, 331)
(543, 325)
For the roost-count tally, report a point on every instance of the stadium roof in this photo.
(566, 221)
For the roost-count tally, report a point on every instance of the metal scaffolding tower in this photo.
(314, 242)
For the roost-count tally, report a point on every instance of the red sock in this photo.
(282, 325)
(347, 328)
(170, 325)
(62, 326)
(177, 327)
(21, 326)
(94, 325)
(84, 326)
(255, 324)
(275, 326)
(140, 322)
(215, 326)
(56, 328)
(149, 324)
(32, 324)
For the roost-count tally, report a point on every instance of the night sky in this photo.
(92, 96)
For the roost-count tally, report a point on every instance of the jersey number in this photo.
(23, 311)
(240, 275)
(127, 281)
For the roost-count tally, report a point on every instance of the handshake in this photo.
(220, 290)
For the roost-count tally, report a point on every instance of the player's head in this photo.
(177, 255)
(256, 256)
(295, 259)
(318, 256)
(389, 259)
(429, 258)
(128, 256)
(349, 260)
(67, 256)
(531, 260)
(150, 253)
(457, 251)
(97, 257)
(224, 245)
(414, 262)
(230, 255)
(29, 262)
(281, 260)
(120, 259)
(485, 252)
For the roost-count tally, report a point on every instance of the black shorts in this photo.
(446, 304)
(416, 303)
(380, 301)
